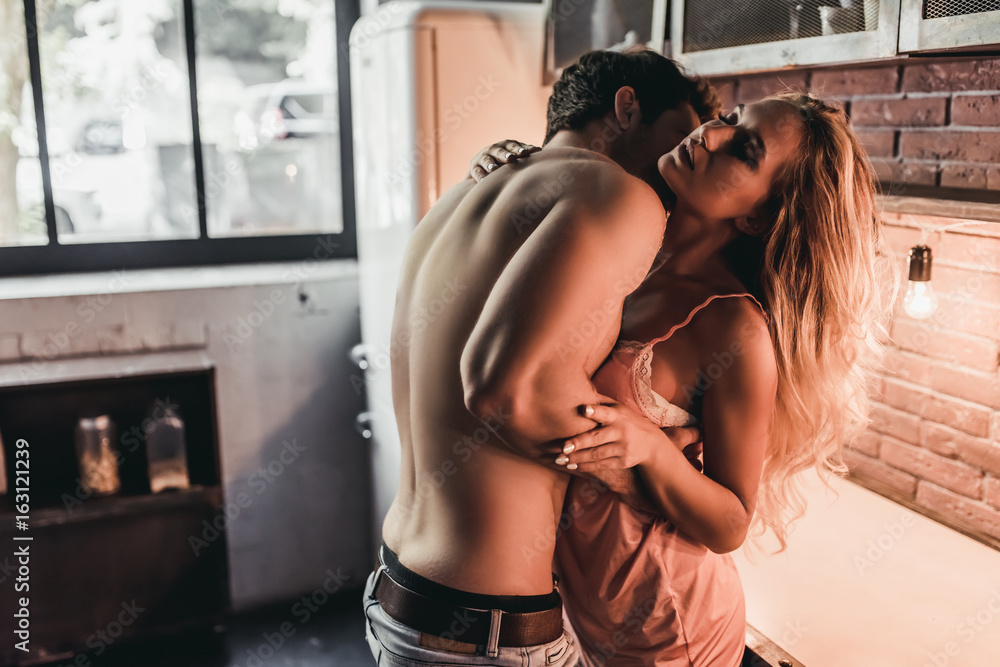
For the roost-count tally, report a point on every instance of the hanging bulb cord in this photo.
(926, 230)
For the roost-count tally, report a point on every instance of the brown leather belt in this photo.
(466, 625)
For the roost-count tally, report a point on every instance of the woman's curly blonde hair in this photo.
(827, 280)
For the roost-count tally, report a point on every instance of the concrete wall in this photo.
(278, 336)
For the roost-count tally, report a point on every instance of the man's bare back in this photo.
(472, 513)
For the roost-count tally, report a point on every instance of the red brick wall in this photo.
(924, 123)
(935, 435)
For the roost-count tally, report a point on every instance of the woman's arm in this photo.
(714, 508)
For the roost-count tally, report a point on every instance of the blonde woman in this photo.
(759, 325)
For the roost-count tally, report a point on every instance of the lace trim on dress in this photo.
(655, 407)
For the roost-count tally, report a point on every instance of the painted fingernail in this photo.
(490, 166)
(522, 151)
(507, 156)
(571, 466)
(568, 449)
(562, 460)
(589, 411)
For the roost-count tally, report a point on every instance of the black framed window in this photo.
(174, 133)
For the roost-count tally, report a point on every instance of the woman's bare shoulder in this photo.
(738, 326)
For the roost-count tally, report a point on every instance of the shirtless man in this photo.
(509, 299)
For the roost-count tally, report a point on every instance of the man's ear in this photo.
(754, 224)
(626, 107)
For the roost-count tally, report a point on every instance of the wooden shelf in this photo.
(95, 509)
(95, 558)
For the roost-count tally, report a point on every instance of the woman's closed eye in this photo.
(748, 148)
(731, 119)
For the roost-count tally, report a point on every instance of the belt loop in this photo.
(492, 649)
(378, 577)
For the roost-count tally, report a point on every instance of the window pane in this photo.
(118, 120)
(267, 101)
(22, 206)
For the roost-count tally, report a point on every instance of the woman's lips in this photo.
(686, 151)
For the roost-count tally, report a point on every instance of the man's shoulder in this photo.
(585, 165)
(602, 187)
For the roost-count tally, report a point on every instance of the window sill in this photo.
(943, 208)
(174, 279)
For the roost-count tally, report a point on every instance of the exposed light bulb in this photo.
(920, 301)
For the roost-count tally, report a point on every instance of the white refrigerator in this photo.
(431, 83)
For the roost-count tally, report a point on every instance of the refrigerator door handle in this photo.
(359, 355)
(363, 424)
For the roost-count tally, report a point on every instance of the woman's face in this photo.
(724, 170)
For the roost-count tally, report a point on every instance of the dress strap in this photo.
(695, 311)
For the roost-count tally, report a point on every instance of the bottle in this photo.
(166, 452)
(97, 456)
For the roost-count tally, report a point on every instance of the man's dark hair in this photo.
(586, 90)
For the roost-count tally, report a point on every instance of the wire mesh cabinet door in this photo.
(934, 25)
(734, 36)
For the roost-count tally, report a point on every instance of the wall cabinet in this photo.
(948, 24)
(713, 37)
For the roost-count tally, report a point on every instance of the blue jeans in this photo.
(396, 645)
